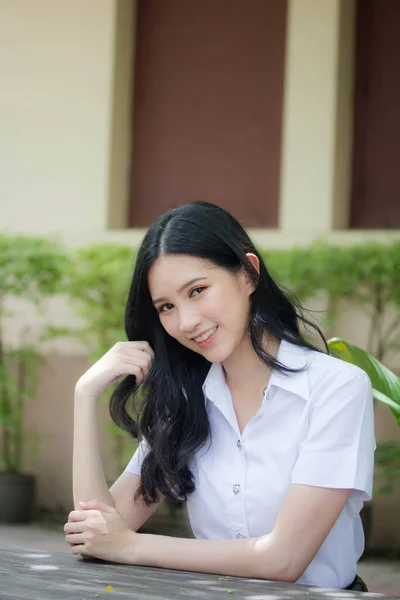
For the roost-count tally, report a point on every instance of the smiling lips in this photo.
(204, 336)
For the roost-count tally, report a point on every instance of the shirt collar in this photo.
(215, 386)
(295, 357)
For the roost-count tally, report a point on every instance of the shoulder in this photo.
(321, 364)
(328, 374)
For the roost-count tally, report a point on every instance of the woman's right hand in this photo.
(125, 358)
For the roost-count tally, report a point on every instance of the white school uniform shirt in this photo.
(313, 428)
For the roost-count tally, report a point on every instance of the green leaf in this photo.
(386, 400)
(385, 384)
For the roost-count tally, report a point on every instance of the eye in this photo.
(164, 308)
(198, 291)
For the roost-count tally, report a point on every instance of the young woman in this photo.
(269, 440)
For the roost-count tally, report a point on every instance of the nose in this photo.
(188, 321)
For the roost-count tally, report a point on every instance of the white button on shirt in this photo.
(314, 428)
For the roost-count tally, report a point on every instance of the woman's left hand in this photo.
(98, 531)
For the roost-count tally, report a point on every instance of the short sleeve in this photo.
(135, 464)
(338, 451)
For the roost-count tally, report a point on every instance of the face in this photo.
(202, 306)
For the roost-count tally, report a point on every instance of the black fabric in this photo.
(358, 585)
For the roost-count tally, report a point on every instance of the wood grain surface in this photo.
(37, 575)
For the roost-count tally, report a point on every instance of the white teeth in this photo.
(205, 336)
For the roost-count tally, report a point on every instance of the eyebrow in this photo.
(183, 287)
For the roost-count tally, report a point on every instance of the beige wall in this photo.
(56, 78)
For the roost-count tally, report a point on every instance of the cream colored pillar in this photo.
(317, 124)
(122, 110)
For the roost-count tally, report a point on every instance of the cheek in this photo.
(236, 314)
(170, 324)
(231, 304)
(215, 307)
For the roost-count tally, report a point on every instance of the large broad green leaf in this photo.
(385, 384)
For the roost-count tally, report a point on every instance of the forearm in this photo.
(88, 477)
(250, 557)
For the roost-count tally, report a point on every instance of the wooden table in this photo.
(37, 575)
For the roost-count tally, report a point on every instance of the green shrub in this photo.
(31, 269)
(98, 287)
(96, 280)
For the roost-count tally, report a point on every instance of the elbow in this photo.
(283, 571)
(279, 564)
(290, 568)
(290, 573)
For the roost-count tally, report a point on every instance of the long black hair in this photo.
(172, 417)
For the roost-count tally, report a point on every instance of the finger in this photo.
(84, 514)
(144, 351)
(128, 365)
(74, 539)
(79, 549)
(73, 527)
(149, 350)
(139, 370)
(77, 515)
(97, 505)
(137, 358)
(137, 361)
(144, 346)
(136, 345)
(126, 368)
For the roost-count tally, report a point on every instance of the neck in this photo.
(243, 368)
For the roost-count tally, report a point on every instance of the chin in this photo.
(217, 355)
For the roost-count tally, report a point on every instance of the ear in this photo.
(256, 264)
(254, 261)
